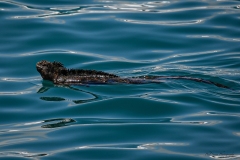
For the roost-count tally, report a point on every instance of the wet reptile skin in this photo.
(58, 74)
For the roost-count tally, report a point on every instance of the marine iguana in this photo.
(58, 74)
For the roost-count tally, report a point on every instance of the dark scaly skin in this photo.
(58, 74)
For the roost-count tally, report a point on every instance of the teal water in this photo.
(175, 119)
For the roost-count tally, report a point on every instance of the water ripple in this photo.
(157, 145)
(171, 23)
(215, 37)
(15, 93)
(150, 146)
(36, 126)
(119, 7)
(28, 79)
(22, 154)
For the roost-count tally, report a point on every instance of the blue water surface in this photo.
(174, 119)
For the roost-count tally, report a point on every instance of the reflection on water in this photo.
(21, 154)
(57, 123)
(52, 98)
(46, 85)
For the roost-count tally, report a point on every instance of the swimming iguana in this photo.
(58, 74)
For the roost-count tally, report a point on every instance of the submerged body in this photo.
(58, 74)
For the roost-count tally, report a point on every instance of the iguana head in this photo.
(49, 70)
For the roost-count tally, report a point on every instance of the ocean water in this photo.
(174, 119)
